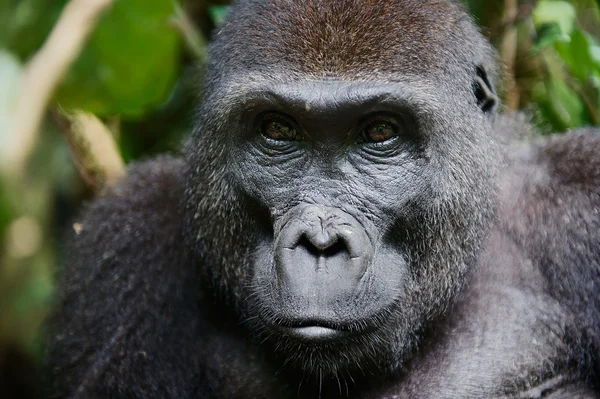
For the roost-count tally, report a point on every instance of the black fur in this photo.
(484, 279)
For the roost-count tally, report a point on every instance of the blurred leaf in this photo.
(485, 12)
(10, 77)
(560, 105)
(130, 64)
(5, 15)
(547, 35)
(570, 98)
(5, 209)
(588, 13)
(193, 38)
(37, 292)
(25, 24)
(555, 11)
(582, 55)
(218, 14)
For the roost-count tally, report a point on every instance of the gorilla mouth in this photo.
(315, 331)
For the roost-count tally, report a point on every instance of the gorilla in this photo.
(351, 219)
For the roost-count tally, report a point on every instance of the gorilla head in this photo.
(339, 183)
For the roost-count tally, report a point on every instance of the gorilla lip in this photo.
(316, 332)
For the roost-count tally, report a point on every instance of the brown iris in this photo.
(379, 131)
(278, 129)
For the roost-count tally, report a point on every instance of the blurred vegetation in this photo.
(140, 74)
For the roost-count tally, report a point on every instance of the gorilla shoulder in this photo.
(131, 229)
(550, 197)
(123, 252)
(140, 210)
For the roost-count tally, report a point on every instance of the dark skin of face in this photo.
(326, 240)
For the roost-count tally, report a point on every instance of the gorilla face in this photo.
(339, 216)
(331, 166)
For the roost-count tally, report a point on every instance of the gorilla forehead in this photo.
(347, 37)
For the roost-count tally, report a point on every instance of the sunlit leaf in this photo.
(130, 64)
(581, 55)
(547, 35)
(560, 105)
(10, 77)
(562, 13)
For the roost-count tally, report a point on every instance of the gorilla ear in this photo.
(484, 91)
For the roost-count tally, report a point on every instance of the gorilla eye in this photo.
(379, 131)
(278, 129)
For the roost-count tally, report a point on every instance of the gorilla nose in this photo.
(321, 245)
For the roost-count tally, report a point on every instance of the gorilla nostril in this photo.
(338, 247)
(308, 246)
(320, 248)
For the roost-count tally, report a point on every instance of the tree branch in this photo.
(194, 40)
(44, 72)
(93, 147)
(508, 52)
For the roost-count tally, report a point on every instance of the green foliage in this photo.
(570, 93)
(582, 55)
(218, 14)
(560, 105)
(25, 24)
(5, 211)
(561, 13)
(10, 75)
(557, 69)
(130, 63)
(549, 34)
